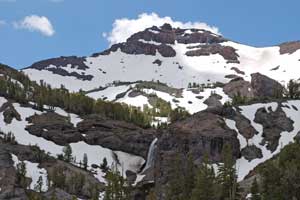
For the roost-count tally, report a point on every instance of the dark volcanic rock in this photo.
(8, 178)
(289, 47)
(141, 48)
(166, 35)
(75, 62)
(213, 101)
(239, 86)
(112, 134)
(251, 152)
(116, 135)
(56, 65)
(204, 132)
(274, 123)
(63, 72)
(265, 87)
(158, 62)
(242, 123)
(228, 53)
(238, 71)
(58, 193)
(9, 112)
(54, 127)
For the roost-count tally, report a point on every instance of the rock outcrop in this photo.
(289, 47)
(265, 87)
(116, 135)
(274, 123)
(94, 130)
(228, 53)
(238, 86)
(9, 112)
(203, 133)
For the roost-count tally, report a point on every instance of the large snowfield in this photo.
(176, 71)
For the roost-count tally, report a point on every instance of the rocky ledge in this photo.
(94, 130)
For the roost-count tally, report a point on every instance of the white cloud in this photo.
(36, 23)
(124, 28)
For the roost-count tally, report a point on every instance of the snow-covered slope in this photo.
(172, 56)
(95, 153)
(291, 110)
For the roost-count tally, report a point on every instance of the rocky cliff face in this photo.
(94, 130)
(265, 87)
(158, 39)
(203, 133)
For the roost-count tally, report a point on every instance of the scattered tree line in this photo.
(203, 182)
(280, 176)
(25, 91)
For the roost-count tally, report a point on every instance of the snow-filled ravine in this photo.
(244, 166)
(95, 153)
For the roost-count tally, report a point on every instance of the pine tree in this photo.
(85, 161)
(188, 178)
(117, 187)
(21, 174)
(227, 177)
(39, 185)
(104, 165)
(175, 187)
(205, 184)
(67, 153)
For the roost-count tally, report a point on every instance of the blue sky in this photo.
(78, 25)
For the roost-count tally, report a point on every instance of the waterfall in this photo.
(150, 156)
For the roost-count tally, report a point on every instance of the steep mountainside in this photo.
(173, 56)
(197, 93)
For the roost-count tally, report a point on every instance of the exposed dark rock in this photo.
(251, 152)
(54, 127)
(131, 176)
(289, 47)
(57, 65)
(232, 76)
(9, 112)
(275, 68)
(204, 132)
(213, 101)
(198, 36)
(199, 97)
(228, 53)
(116, 135)
(238, 86)
(8, 177)
(237, 70)
(33, 154)
(242, 123)
(75, 62)
(141, 48)
(274, 123)
(63, 72)
(112, 134)
(134, 93)
(140, 43)
(58, 193)
(158, 62)
(265, 87)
